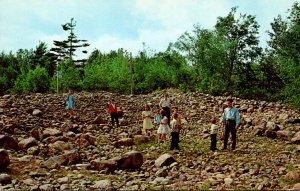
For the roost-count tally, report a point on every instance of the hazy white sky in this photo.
(112, 24)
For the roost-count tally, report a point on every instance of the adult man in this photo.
(231, 121)
(165, 104)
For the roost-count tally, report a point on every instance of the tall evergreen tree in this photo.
(67, 48)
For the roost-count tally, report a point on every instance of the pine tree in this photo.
(66, 49)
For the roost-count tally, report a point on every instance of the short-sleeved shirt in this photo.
(165, 102)
(173, 126)
(231, 114)
(213, 129)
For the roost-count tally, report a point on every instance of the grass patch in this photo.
(205, 186)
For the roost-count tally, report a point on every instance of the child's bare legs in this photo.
(71, 113)
(163, 137)
(158, 137)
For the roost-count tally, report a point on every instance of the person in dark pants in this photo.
(231, 121)
(213, 134)
(175, 133)
(165, 104)
(112, 109)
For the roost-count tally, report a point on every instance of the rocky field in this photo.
(42, 149)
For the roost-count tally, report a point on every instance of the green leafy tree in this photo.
(36, 80)
(70, 77)
(240, 39)
(285, 45)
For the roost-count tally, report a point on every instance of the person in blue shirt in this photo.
(231, 121)
(71, 103)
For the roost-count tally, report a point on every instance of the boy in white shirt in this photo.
(213, 134)
(175, 133)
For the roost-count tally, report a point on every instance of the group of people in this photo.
(162, 122)
(167, 127)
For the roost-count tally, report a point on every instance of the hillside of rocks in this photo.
(41, 148)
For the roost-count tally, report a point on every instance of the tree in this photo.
(240, 39)
(41, 57)
(285, 45)
(66, 48)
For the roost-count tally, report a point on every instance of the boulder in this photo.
(296, 138)
(131, 160)
(284, 135)
(139, 139)
(27, 143)
(7, 142)
(292, 176)
(5, 179)
(100, 120)
(124, 142)
(37, 112)
(164, 160)
(271, 134)
(4, 159)
(98, 164)
(69, 158)
(51, 132)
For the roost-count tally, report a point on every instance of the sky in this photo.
(128, 24)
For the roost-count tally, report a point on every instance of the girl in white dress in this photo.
(147, 119)
(163, 129)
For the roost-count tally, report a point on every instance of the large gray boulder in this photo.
(164, 160)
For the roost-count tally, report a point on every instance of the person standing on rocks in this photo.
(113, 110)
(163, 129)
(157, 119)
(213, 134)
(179, 117)
(231, 121)
(165, 104)
(71, 104)
(175, 128)
(147, 119)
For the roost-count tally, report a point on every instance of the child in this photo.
(113, 110)
(179, 117)
(175, 133)
(147, 120)
(71, 104)
(213, 134)
(163, 128)
(157, 119)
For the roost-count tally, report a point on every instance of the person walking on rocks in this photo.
(147, 119)
(71, 103)
(163, 129)
(175, 129)
(213, 134)
(231, 121)
(113, 110)
(165, 104)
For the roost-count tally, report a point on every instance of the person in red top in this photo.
(112, 109)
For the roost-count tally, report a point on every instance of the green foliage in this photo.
(36, 80)
(285, 45)
(70, 77)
